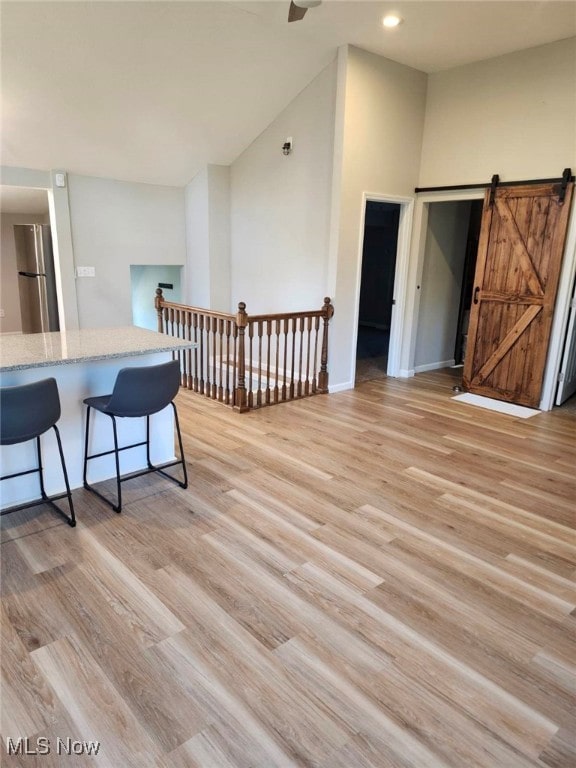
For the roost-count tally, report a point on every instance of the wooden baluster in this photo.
(308, 345)
(315, 360)
(195, 380)
(250, 364)
(235, 355)
(221, 363)
(214, 356)
(240, 396)
(201, 348)
(285, 377)
(228, 325)
(180, 353)
(293, 363)
(259, 392)
(277, 374)
(207, 329)
(185, 355)
(176, 352)
(327, 314)
(268, 335)
(300, 322)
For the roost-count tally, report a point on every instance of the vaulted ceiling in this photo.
(152, 91)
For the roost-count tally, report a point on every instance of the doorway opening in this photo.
(379, 250)
(446, 284)
(28, 269)
(144, 279)
(470, 256)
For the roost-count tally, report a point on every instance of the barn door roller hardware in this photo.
(566, 177)
(493, 185)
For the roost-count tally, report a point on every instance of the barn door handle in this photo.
(476, 292)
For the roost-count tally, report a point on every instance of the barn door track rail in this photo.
(493, 183)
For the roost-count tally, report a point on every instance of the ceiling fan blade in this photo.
(295, 13)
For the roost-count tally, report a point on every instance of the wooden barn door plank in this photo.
(519, 257)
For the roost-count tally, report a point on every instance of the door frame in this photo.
(412, 297)
(400, 277)
(561, 315)
(416, 270)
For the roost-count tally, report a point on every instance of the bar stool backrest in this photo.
(141, 391)
(28, 410)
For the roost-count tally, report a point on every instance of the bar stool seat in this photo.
(138, 392)
(26, 413)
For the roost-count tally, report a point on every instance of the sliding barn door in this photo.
(519, 256)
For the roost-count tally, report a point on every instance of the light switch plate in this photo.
(85, 272)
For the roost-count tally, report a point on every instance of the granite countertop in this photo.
(37, 350)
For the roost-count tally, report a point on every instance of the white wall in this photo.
(197, 202)
(9, 295)
(208, 239)
(219, 229)
(280, 206)
(383, 118)
(116, 224)
(444, 256)
(514, 115)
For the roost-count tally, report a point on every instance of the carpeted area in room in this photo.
(371, 353)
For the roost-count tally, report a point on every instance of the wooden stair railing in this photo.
(249, 361)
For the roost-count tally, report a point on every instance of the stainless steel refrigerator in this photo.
(36, 278)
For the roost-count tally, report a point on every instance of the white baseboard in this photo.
(406, 373)
(435, 366)
(340, 387)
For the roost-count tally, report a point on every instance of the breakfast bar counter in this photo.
(38, 350)
(84, 363)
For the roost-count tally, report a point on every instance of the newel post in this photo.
(158, 304)
(327, 313)
(240, 400)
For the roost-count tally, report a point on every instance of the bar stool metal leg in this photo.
(45, 499)
(72, 519)
(181, 483)
(29, 411)
(117, 507)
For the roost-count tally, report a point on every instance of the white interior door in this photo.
(567, 377)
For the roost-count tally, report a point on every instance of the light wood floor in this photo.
(380, 578)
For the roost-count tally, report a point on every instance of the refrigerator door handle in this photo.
(32, 274)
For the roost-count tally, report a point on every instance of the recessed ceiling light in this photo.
(391, 20)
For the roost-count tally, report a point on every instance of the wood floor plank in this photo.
(432, 665)
(379, 578)
(27, 701)
(93, 705)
